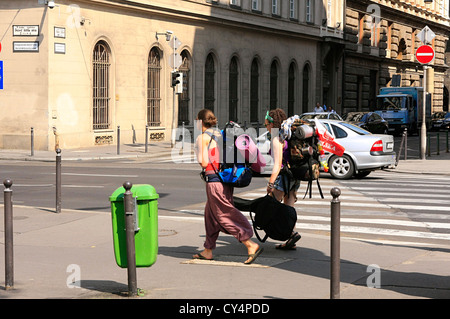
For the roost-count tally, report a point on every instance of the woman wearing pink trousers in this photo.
(220, 213)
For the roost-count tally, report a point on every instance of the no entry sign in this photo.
(424, 54)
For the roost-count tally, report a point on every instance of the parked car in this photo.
(446, 123)
(320, 115)
(364, 151)
(440, 120)
(370, 121)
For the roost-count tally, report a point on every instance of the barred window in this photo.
(273, 85)
(291, 89)
(154, 88)
(101, 93)
(183, 98)
(254, 91)
(210, 75)
(233, 90)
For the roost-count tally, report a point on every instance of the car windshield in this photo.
(355, 128)
(314, 115)
(439, 115)
(390, 103)
(354, 117)
(447, 116)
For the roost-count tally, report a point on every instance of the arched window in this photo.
(305, 93)
(100, 84)
(254, 91)
(291, 89)
(273, 85)
(183, 98)
(233, 90)
(210, 79)
(154, 88)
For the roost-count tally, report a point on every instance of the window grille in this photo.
(254, 91)
(183, 98)
(101, 92)
(154, 88)
(210, 82)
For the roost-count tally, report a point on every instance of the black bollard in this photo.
(146, 138)
(58, 180)
(118, 139)
(335, 244)
(131, 253)
(32, 141)
(9, 254)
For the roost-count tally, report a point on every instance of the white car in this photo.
(364, 151)
(321, 115)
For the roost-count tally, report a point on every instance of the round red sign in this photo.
(424, 54)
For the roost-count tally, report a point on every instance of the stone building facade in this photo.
(381, 38)
(82, 71)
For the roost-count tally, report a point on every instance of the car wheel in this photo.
(341, 167)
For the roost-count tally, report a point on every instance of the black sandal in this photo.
(290, 244)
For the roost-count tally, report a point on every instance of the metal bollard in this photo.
(9, 254)
(146, 138)
(437, 143)
(131, 253)
(118, 139)
(32, 141)
(446, 142)
(335, 244)
(58, 180)
(429, 145)
(406, 143)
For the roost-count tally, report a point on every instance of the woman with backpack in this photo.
(281, 186)
(220, 213)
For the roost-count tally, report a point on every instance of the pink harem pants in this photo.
(221, 215)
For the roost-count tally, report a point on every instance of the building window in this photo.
(305, 87)
(256, 5)
(291, 89)
(210, 82)
(101, 92)
(309, 11)
(273, 85)
(254, 91)
(233, 81)
(154, 88)
(183, 98)
(360, 27)
(293, 9)
(275, 8)
(235, 3)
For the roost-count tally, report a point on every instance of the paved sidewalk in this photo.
(56, 253)
(70, 255)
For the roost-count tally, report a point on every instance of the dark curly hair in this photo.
(278, 116)
(207, 117)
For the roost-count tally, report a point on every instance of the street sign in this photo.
(1, 75)
(175, 43)
(426, 35)
(424, 54)
(175, 60)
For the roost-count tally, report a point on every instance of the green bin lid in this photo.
(141, 191)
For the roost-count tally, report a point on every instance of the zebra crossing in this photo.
(385, 206)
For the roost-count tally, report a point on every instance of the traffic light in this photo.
(175, 78)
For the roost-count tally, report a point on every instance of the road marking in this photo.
(97, 175)
(345, 229)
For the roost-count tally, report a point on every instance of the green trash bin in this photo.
(146, 225)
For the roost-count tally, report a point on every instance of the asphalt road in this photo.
(88, 185)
